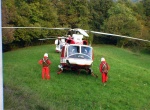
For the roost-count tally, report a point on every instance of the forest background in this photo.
(124, 17)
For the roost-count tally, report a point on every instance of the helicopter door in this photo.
(62, 57)
(63, 52)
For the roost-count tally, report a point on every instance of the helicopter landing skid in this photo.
(94, 75)
(60, 69)
(59, 72)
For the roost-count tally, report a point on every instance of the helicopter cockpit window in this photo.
(79, 52)
(86, 50)
(73, 50)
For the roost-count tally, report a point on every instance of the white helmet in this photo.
(102, 59)
(46, 55)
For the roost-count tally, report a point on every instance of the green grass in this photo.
(127, 87)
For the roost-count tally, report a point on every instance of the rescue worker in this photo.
(45, 62)
(103, 68)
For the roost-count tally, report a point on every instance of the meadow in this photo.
(128, 86)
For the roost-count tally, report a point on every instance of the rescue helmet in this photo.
(102, 59)
(46, 55)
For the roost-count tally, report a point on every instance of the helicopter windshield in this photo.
(73, 50)
(76, 51)
(86, 50)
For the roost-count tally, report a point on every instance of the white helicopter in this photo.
(76, 53)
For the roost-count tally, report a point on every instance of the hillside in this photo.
(127, 87)
(34, 20)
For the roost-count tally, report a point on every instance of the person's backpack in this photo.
(104, 68)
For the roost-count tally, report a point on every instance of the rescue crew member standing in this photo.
(45, 62)
(103, 68)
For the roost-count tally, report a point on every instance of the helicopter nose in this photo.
(79, 61)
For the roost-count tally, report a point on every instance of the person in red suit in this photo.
(45, 62)
(103, 68)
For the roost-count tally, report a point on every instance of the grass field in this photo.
(128, 87)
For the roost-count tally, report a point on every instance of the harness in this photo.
(45, 62)
(104, 68)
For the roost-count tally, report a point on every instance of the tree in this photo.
(122, 21)
(62, 12)
(7, 20)
(146, 6)
(74, 13)
(32, 14)
(99, 11)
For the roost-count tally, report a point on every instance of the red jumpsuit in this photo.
(45, 62)
(104, 73)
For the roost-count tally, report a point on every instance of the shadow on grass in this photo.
(76, 72)
(17, 98)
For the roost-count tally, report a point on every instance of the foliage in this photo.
(99, 12)
(33, 14)
(72, 13)
(121, 21)
(146, 7)
(7, 12)
(120, 17)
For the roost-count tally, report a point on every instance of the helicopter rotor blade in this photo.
(81, 32)
(54, 37)
(119, 36)
(62, 37)
(56, 28)
(47, 38)
(36, 28)
(50, 38)
(41, 39)
(22, 27)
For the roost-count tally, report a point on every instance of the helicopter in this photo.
(76, 53)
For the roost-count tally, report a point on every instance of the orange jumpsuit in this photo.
(45, 62)
(104, 74)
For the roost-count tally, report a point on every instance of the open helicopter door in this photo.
(63, 55)
(63, 58)
(59, 44)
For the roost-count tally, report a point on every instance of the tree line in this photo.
(118, 17)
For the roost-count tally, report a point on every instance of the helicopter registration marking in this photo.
(63, 60)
